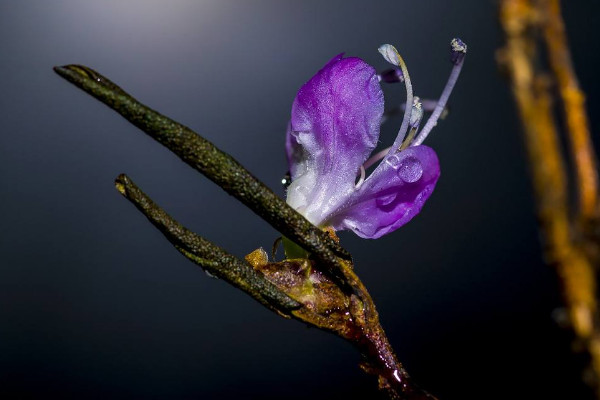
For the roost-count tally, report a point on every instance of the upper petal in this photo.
(337, 113)
(334, 127)
(392, 195)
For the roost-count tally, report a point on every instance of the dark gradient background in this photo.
(94, 303)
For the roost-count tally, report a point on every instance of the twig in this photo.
(216, 165)
(566, 246)
(292, 288)
(573, 102)
(210, 257)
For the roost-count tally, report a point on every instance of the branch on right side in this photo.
(530, 27)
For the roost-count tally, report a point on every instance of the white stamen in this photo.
(391, 55)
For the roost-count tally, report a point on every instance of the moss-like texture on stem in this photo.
(210, 257)
(212, 162)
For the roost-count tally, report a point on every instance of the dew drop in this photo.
(393, 161)
(286, 180)
(410, 170)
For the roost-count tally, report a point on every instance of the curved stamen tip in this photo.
(390, 54)
(458, 51)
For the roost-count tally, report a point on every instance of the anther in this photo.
(428, 106)
(458, 52)
(416, 115)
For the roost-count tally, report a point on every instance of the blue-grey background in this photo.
(94, 303)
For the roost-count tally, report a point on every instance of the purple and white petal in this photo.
(336, 115)
(334, 127)
(391, 196)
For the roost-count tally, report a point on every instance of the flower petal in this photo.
(334, 127)
(392, 195)
(336, 115)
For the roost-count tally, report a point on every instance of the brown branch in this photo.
(207, 255)
(566, 246)
(292, 288)
(215, 164)
(573, 102)
(350, 316)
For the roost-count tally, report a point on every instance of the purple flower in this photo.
(334, 127)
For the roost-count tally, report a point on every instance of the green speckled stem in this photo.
(214, 164)
(210, 257)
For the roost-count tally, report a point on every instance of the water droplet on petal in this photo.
(410, 170)
(393, 161)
